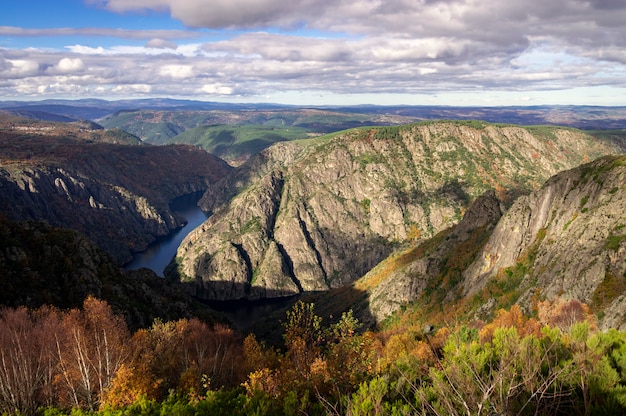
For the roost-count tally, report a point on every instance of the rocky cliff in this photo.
(566, 240)
(118, 195)
(318, 214)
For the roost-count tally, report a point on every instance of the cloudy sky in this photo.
(314, 52)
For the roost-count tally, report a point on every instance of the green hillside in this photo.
(144, 125)
(236, 144)
(236, 135)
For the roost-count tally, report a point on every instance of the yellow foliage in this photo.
(414, 233)
(253, 352)
(264, 380)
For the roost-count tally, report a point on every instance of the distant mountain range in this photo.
(585, 117)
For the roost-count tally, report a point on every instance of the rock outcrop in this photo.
(117, 195)
(566, 240)
(319, 214)
(404, 277)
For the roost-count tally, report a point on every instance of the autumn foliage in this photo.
(85, 361)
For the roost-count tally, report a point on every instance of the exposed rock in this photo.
(324, 212)
(569, 236)
(117, 195)
(413, 270)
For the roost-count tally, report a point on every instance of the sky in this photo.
(317, 52)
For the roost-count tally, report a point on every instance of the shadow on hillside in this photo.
(265, 317)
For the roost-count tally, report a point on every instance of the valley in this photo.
(159, 253)
(318, 251)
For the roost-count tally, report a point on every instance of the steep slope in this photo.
(43, 265)
(566, 240)
(432, 269)
(313, 215)
(117, 195)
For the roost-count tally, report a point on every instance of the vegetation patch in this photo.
(614, 241)
(607, 291)
(365, 204)
(370, 157)
(252, 225)
(567, 224)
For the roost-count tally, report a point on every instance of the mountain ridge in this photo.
(319, 214)
(116, 194)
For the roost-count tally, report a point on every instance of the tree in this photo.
(92, 347)
(303, 336)
(26, 361)
(563, 314)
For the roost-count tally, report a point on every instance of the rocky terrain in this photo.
(318, 214)
(116, 194)
(566, 240)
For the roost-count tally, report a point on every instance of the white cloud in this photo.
(354, 48)
(176, 71)
(69, 66)
(18, 68)
(132, 89)
(216, 89)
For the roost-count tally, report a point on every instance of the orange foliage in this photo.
(563, 314)
(127, 387)
(92, 346)
(87, 358)
(411, 344)
(513, 318)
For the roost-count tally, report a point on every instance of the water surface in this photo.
(158, 254)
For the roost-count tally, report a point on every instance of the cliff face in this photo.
(319, 214)
(568, 239)
(434, 265)
(117, 195)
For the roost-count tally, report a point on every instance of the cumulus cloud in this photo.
(18, 68)
(341, 46)
(69, 65)
(216, 89)
(176, 71)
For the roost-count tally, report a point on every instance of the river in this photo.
(159, 254)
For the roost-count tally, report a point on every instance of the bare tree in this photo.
(26, 364)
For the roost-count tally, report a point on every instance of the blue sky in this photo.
(317, 52)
